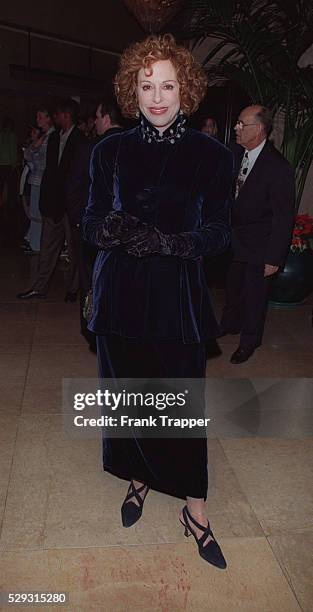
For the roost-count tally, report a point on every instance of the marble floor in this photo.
(60, 513)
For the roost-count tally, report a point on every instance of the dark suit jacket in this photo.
(64, 187)
(263, 214)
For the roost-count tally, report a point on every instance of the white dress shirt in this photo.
(253, 155)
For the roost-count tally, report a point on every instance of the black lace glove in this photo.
(151, 241)
(116, 227)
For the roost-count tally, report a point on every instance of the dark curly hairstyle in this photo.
(191, 77)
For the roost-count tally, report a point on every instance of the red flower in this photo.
(302, 232)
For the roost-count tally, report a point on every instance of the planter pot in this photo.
(292, 286)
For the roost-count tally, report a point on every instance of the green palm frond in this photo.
(257, 45)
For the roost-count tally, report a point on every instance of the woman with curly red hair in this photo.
(159, 200)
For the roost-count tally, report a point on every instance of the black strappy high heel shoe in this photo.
(211, 551)
(131, 513)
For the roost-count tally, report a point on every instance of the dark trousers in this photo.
(176, 466)
(87, 257)
(246, 302)
(52, 240)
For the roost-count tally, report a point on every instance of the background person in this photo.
(262, 222)
(63, 195)
(24, 185)
(107, 123)
(209, 127)
(35, 155)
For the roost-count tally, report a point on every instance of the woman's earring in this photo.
(137, 114)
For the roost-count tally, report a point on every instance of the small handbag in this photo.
(88, 306)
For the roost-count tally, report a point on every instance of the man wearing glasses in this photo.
(262, 221)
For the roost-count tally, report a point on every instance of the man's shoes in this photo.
(70, 297)
(241, 355)
(226, 332)
(212, 349)
(31, 294)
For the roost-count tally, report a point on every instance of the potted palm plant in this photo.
(294, 284)
(258, 45)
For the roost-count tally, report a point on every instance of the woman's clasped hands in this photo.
(137, 238)
(140, 239)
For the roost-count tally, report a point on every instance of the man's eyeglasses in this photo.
(242, 125)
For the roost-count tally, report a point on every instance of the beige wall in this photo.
(104, 23)
(107, 24)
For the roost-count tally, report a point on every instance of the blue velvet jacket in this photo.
(179, 183)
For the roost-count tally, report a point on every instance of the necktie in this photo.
(242, 173)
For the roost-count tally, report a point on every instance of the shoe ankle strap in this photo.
(189, 517)
(135, 492)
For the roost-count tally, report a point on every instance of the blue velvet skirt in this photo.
(175, 466)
